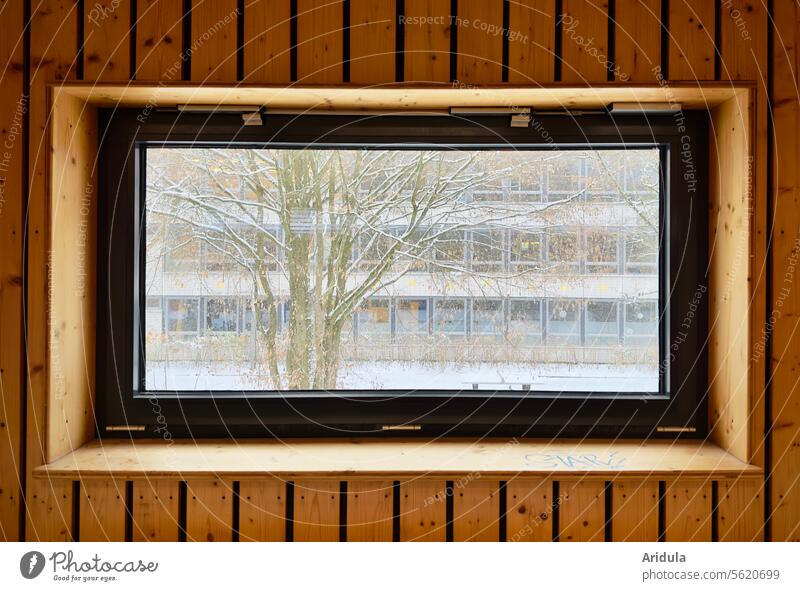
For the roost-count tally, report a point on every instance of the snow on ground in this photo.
(412, 376)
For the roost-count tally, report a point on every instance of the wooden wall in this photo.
(437, 41)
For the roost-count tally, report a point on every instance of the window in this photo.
(488, 317)
(564, 322)
(450, 317)
(601, 252)
(411, 316)
(255, 308)
(641, 322)
(373, 317)
(349, 273)
(562, 251)
(602, 323)
(222, 314)
(183, 314)
(641, 252)
(525, 321)
(487, 250)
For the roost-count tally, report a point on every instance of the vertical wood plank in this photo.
(582, 511)
(744, 40)
(423, 510)
(480, 41)
(320, 38)
(427, 40)
(159, 39)
(49, 505)
(155, 510)
(103, 511)
(637, 49)
(316, 510)
(209, 511)
(688, 511)
(740, 513)
(529, 511)
(262, 510)
(107, 47)
(370, 510)
(13, 105)
(53, 57)
(476, 511)
(634, 510)
(213, 42)
(584, 41)
(531, 41)
(691, 40)
(267, 32)
(372, 41)
(785, 361)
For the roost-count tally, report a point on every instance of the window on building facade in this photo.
(426, 269)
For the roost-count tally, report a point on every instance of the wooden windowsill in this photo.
(409, 457)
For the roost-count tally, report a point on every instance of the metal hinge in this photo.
(124, 427)
(401, 428)
(676, 429)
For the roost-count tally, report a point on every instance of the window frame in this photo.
(681, 401)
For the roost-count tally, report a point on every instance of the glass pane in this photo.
(221, 314)
(373, 317)
(411, 316)
(449, 317)
(602, 327)
(410, 269)
(564, 322)
(525, 320)
(487, 317)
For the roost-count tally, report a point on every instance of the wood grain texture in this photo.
(103, 511)
(730, 401)
(531, 41)
(316, 510)
(13, 105)
(423, 510)
(581, 511)
(529, 511)
(155, 510)
(740, 512)
(744, 40)
(72, 276)
(262, 510)
(480, 41)
(213, 43)
(785, 361)
(209, 510)
(325, 458)
(372, 41)
(688, 511)
(107, 46)
(320, 41)
(476, 510)
(53, 58)
(584, 41)
(267, 32)
(410, 96)
(637, 49)
(427, 41)
(691, 40)
(634, 510)
(159, 39)
(369, 510)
